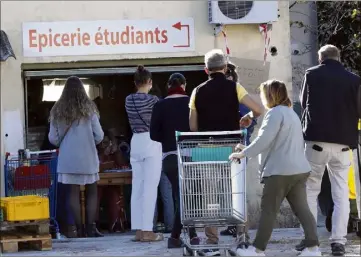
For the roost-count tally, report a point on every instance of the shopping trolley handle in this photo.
(29, 153)
(242, 132)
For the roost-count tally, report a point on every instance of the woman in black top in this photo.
(169, 115)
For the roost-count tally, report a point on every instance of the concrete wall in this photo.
(303, 43)
(245, 41)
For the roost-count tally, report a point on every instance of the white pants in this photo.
(338, 163)
(146, 161)
(357, 181)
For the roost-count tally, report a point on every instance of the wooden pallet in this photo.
(39, 227)
(13, 241)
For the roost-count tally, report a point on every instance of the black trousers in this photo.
(170, 168)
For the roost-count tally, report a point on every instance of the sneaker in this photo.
(174, 243)
(229, 231)
(150, 236)
(313, 251)
(301, 246)
(211, 252)
(338, 249)
(250, 251)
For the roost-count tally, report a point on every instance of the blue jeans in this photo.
(165, 188)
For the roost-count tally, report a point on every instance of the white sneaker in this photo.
(250, 251)
(314, 251)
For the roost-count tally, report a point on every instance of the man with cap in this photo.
(214, 106)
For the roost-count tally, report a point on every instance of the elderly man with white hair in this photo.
(330, 99)
(214, 106)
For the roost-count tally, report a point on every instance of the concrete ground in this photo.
(281, 244)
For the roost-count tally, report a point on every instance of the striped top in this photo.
(139, 108)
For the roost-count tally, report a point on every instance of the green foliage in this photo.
(340, 25)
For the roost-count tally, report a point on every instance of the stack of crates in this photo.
(23, 208)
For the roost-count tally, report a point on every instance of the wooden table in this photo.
(107, 179)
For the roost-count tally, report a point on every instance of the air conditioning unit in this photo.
(242, 12)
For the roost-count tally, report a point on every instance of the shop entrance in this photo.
(108, 88)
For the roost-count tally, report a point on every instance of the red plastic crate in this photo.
(32, 177)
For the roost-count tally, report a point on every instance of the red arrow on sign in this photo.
(179, 26)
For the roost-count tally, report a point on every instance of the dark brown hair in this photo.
(142, 76)
(274, 93)
(176, 80)
(231, 72)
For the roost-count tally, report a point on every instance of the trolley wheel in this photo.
(243, 245)
(189, 252)
(231, 253)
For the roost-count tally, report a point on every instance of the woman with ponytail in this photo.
(145, 158)
(169, 115)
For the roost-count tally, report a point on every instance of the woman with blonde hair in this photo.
(76, 130)
(283, 166)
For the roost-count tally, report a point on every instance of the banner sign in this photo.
(70, 38)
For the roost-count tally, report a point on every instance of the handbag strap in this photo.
(65, 133)
(139, 113)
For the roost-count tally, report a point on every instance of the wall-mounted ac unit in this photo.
(242, 12)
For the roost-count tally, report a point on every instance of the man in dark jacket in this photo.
(330, 101)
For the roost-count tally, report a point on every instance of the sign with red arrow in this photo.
(181, 26)
(67, 38)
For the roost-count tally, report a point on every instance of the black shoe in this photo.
(301, 246)
(174, 243)
(80, 232)
(230, 231)
(338, 249)
(210, 252)
(71, 232)
(92, 231)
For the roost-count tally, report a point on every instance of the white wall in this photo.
(245, 41)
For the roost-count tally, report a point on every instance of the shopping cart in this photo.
(33, 173)
(212, 189)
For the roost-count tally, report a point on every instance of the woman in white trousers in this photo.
(145, 158)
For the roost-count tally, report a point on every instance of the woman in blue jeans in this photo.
(166, 195)
(169, 115)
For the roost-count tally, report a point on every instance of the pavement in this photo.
(281, 244)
